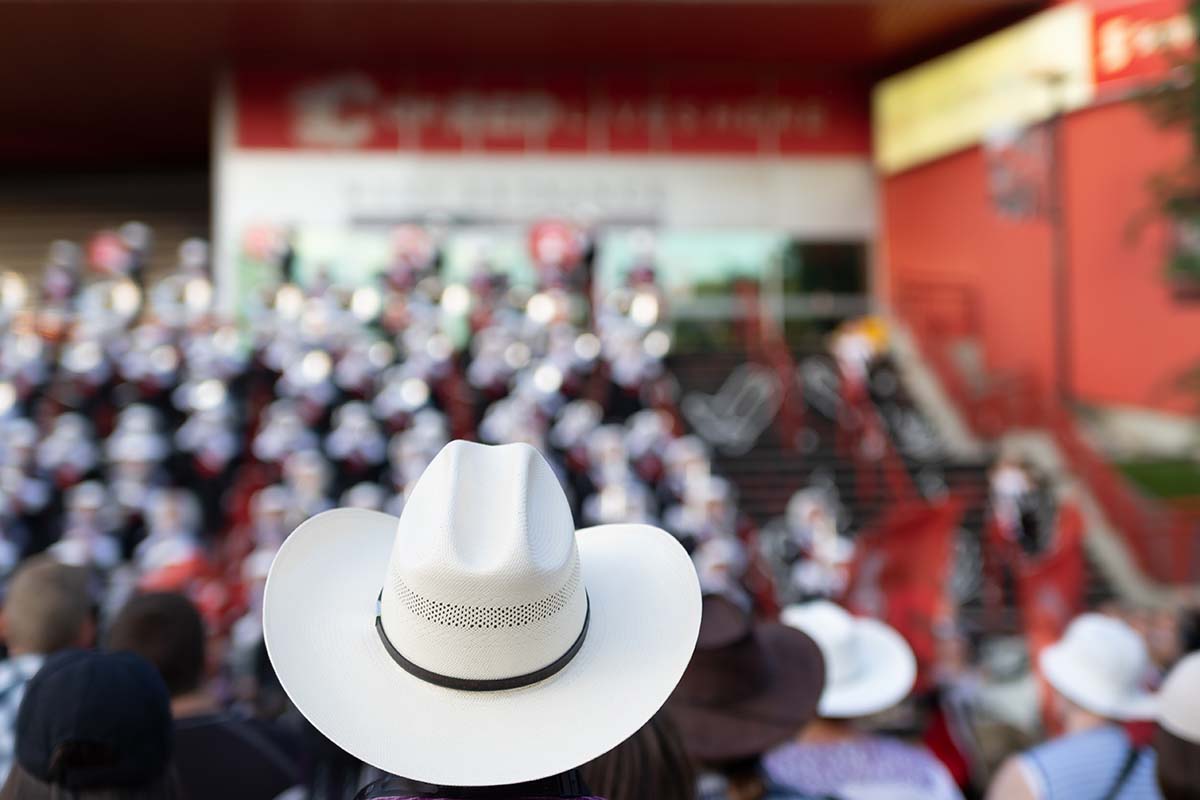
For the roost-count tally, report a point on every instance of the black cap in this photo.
(95, 721)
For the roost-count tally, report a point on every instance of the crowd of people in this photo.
(480, 646)
(433, 624)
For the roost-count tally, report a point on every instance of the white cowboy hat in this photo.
(868, 666)
(478, 639)
(1179, 700)
(1100, 664)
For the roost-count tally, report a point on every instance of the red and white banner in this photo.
(338, 150)
(625, 115)
(1139, 42)
(901, 573)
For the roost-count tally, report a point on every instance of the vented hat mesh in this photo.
(469, 616)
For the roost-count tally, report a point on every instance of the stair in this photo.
(768, 475)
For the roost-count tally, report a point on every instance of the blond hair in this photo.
(46, 607)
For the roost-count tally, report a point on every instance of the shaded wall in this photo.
(1130, 336)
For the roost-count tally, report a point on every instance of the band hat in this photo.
(478, 639)
(1100, 664)
(869, 667)
(1179, 700)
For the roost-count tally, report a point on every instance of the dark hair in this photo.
(651, 763)
(23, 786)
(1178, 766)
(1189, 630)
(166, 630)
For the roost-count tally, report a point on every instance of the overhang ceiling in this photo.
(120, 82)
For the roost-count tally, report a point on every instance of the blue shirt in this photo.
(14, 674)
(1087, 764)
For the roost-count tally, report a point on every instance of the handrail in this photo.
(886, 479)
(764, 341)
(942, 313)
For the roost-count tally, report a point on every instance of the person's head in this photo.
(93, 726)
(749, 687)
(172, 511)
(651, 763)
(1178, 765)
(47, 608)
(269, 508)
(1177, 736)
(1097, 670)
(86, 503)
(869, 667)
(166, 629)
(1189, 630)
(744, 778)
(483, 608)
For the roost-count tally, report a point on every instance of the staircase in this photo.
(772, 470)
(768, 475)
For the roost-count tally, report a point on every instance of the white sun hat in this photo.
(868, 666)
(1100, 664)
(1179, 700)
(478, 639)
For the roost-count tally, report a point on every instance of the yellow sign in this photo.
(1022, 75)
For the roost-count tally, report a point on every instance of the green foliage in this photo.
(1175, 103)
(1169, 479)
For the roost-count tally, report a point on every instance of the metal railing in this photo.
(943, 314)
(880, 479)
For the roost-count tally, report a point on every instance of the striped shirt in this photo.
(863, 768)
(1087, 764)
(15, 673)
(711, 786)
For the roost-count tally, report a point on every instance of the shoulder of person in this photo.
(775, 792)
(889, 746)
(1105, 735)
(1011, 781)
(17, 670)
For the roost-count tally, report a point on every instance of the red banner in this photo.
(1051, 593)
(1139, 43)
(1051, 587)
(901, 572)
(635, 114)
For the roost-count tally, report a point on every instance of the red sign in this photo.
(374, 111)
(1140, 42)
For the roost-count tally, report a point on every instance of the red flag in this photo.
(1002, 557)
(1051, 587)
(901, 572)
(1050, 591)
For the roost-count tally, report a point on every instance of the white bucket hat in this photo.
(868, 666)
(1100, 664)
(478, 639)
(1179, 700)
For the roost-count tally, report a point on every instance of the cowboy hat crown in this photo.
(484, 579)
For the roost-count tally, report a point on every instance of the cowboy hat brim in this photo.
(888, 675)
(754, 725)
(319, 627)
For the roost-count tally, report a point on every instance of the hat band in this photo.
(481, 684)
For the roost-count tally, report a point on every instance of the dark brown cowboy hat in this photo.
(748, 687)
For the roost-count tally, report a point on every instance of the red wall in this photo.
(1128, 335)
